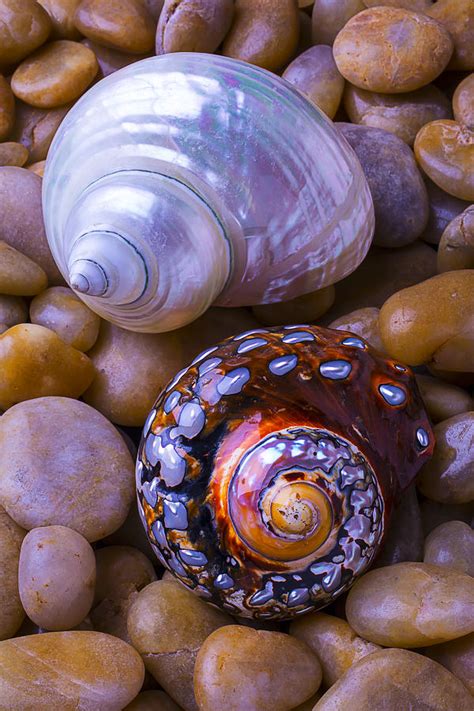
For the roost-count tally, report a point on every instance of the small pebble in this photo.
(19, 275)
(330, 16)
(443, 209)
(405, 605)
(457, 16)
(392, 50)
(152, 701)
(315, 74)
(443, 400)
(24, 26)
(35, 128)
(56, 577)
(193, 25)
(76, 470)
(111, 60)
(125, 25)
(451, 545)
(55, 74)
(61, 13)
(7, 109)
(271, 670)
(463, 102)
(12, 153)
(13, 310)
(449, 476)
(456, 246)
(11, 609)
(60, 310)
(362, 322)
(458, 657)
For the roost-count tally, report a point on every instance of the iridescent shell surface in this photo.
(195, 159)
(268, 469)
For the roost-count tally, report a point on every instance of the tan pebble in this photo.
(330, 16)
(152, 701)
(35, 362)
(35, 128)
(433, 514)
(61, 13)
(404, 539)
(13, 310)
(456, 247)
(75, 471)
(168, 624)
(273, 671)
(411, 605)
(362, 322)
(69, 671)
(415, 333)
(443, 400)
(126, 25)
(193, 25)
(457, 16)
(122, 571)
(37, 168)
(449, 476)
(401, 203)
(12, 153)
(458, 657)
(401, 114)
(11, 609)
(451, 545)
(445, 151)
(21, 225)
(396, 679)
(315, 74)
(415, 5)
(392, 50)
(382, 273)
(463, 102)
(24, 26)
(110, 60)
(443, 209)
(333, 641)
(19, 275)
(56, 577)
(55, 74)
(60, 310)
(302, 309)
(263, 32)
(7, 109)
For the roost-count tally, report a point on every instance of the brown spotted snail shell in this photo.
(269, 468)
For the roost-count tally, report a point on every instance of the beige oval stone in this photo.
(12, 153)
(35, 362)
(411, 605)
(61, 13)
(60, 310)
(401, 114)
(449, 476)
(13, 310)
(19, 275)
(55, 75)
(451, 545)
(456, 246)
(11, 609)
(302, 309)
(273, 671)
(415, 333)
(315, 74)
(333, 641)
(22, 225)
(24, 26)
(62, 463)
(153, 701)
(126, 25)
(443, 208)
(7, 109)
(330, 16)
(193, 25)
(56, 577)
(443, 400)
(392, 50)
(122, 571)
(168, 624)
(396, 679)
(69, 671)
(35, 128)
(263, 32)
(463, 102)
(111, 60)
(38, 168)
(415, 5)
(362, 322)
(458, 657)
(457, 16)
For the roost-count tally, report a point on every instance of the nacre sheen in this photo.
(267, 489)
(190, 179)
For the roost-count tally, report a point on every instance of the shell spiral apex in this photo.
(268, 469)
(190, 179)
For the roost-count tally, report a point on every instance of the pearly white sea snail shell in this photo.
(190, 179)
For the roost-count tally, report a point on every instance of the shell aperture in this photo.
(281, 483)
